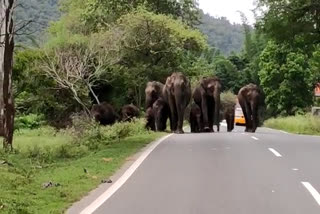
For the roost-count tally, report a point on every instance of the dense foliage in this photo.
(108, 50)
(289, 65)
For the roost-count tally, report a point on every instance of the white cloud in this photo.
(228, 9)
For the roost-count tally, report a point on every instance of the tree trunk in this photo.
(6, 64)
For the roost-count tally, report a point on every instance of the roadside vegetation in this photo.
(50, 169)
(97, 51)
(299, 124)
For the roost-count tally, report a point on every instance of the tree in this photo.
(96, 15)
(286, 79)
(6, 61)
(149, 47)
(296, 21)
(74, 67)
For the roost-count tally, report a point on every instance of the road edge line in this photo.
(112, 189)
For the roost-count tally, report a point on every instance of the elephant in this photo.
(228, 115)
(177, 93)
(195, 119)
(128, 112)
(161, 112)
(207, 97)
(104, 113)
(153, 91)
(150, 119)
(248, 98)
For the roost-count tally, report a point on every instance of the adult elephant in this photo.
(153, 92)
(177, 93)
(248, 98)
(207, 96)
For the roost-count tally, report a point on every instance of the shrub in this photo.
(300, 124)
(30, 121)
(228, 99)
(86, 131)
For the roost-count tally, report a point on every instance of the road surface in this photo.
(267, 172)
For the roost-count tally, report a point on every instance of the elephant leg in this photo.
(180, 111)
(249, 115)
(211, 116)
(204, 112)
(255, 119)
(173, 121)
(192, 125)
(199, 123)
(180, 101)
(228, 123)
(244, 111)
(232, 122)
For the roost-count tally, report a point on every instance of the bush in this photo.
(30, 121)
(228, 99)
(96, 135)
(300, 124)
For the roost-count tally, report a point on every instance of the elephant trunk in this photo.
(216, 95)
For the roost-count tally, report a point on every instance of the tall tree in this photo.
(294, 21)
(6, 63)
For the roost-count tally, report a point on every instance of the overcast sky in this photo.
(228, 8)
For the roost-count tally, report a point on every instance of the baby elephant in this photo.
(104, 113)
(195, 119)
(228, 115)
(161, 112)
(128, 112)
(150, 119)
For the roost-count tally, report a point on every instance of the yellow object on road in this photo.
(238, 116)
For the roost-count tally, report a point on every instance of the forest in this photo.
(72, 54)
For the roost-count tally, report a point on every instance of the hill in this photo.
(222, 34)
(39, 13)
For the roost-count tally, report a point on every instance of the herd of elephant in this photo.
(170, 101)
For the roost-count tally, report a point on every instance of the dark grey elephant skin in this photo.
(177, 93)
(104, 113)
(153, 92)
(248, 98)
(195, 119)
(161, 112)
(207, 97)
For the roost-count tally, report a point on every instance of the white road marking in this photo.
(284, 132)
(223, 124)
(295, 169)
(109, 192)
(255, 138)
(312, 191)
(277, 154)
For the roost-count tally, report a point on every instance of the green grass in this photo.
(43, 137)
(40, 159)
(299, 124)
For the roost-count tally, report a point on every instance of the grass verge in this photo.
(299, 124)
(25, 173)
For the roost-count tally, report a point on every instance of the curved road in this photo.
(267, 172)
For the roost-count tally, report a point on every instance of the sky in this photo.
(228, 9)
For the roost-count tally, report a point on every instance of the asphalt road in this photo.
(267, 172)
